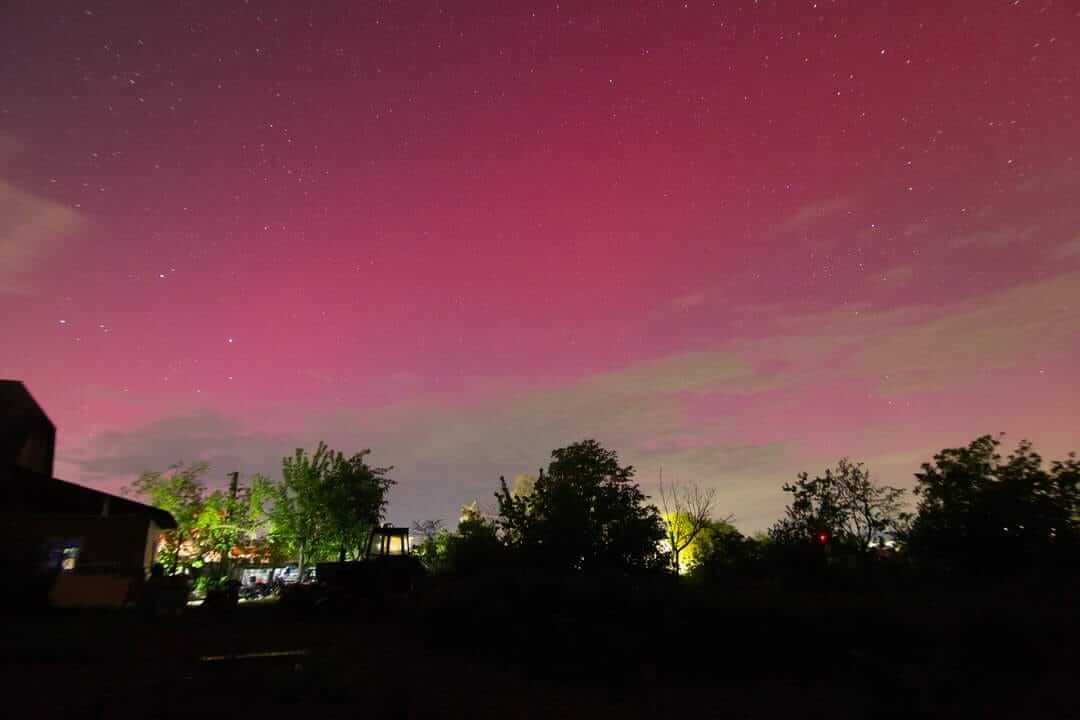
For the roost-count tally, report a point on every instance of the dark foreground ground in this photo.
(1011, 654)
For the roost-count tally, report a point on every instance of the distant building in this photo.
(98, 546)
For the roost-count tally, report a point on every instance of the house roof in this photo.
(26, 483)
(23, 490)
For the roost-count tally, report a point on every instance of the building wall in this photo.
(121, 544)
(36, 453)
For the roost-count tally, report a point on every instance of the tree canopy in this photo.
(843, 505)
(976, 507)
(325, 503)
(475, 548)
(208, 523)
(584, 514)
(721, 551)
(181, 492)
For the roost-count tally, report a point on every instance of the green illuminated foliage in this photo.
(325, 503)
(209, 522)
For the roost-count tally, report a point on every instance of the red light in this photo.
(823, 537)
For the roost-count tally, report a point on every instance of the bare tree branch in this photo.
(687, 511)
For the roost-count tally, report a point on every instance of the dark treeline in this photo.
(973, 513)
(952, 597)
(976, 513)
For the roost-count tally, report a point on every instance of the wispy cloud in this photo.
(448, 453)
(448, 450)
(119, 455)
(32, 229)
(941, 348)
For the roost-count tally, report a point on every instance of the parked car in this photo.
(290, 575)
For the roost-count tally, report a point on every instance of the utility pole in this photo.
(234, 487)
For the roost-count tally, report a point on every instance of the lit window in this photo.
(63, 554)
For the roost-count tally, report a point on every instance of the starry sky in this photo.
(731, 239)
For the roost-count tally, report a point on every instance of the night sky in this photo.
(733, 239)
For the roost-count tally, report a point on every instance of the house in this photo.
(93, 547)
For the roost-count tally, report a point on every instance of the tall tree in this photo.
(814, 509)
(355, 497)
(870, 510)
(687, 511)
(297, 516)
(977, 508)
(325, 503)
(229, 520)
(844, 504)
(585, 513)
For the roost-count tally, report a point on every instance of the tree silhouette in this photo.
(976, 509)
(584, 514)
(475, 547)
(843, 505)
(721, 551)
